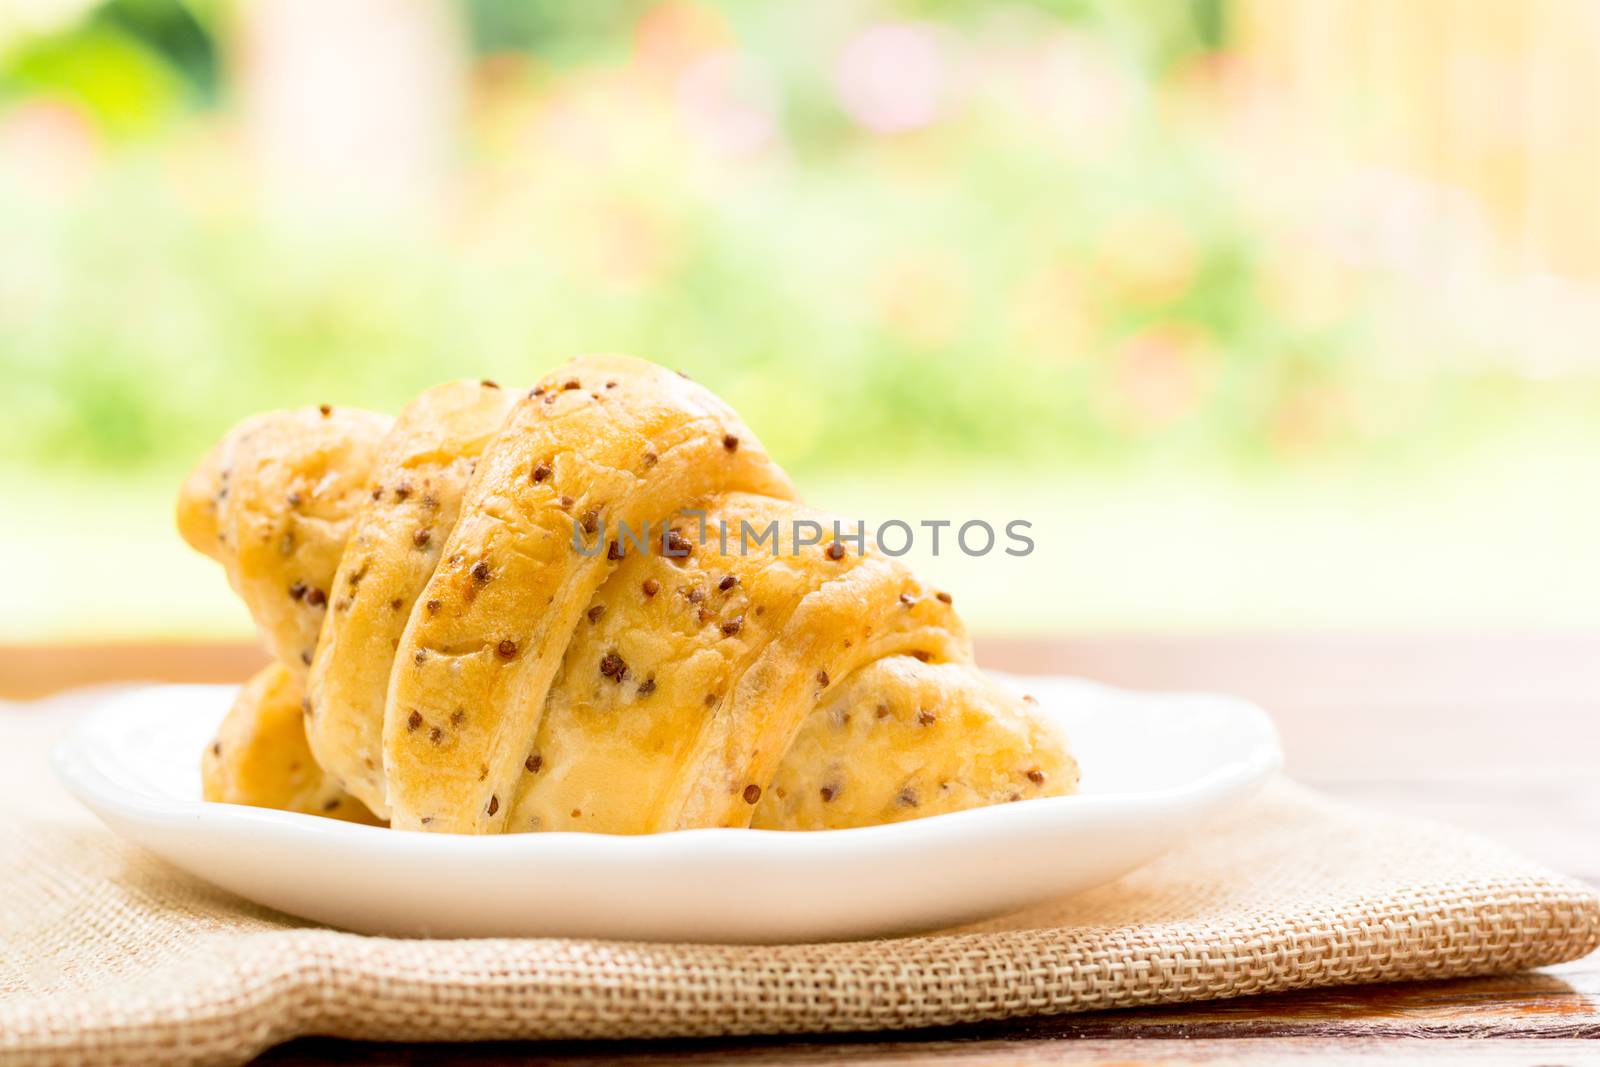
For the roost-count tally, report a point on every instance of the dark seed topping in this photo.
(614, 551)
(728, 582)
(752, 793)
(305, 656)
(295, 500)
(711, 698)
(731, 627)
(506, 649)
(836, 551)
(377, 492)
(907, 798)
(566, 503)
(702, 616)
(647, 686)
(216, 748)
(435, 735)
(426, 819)
(401, 492)
(678, 546)
(297, 590)
(590, 519)
(326, 409)
(487, 384)
(696, 595)
(541, 471)
(480, 571)
(944, 598)
(822, 679)
(613, 667)
(651, 587)
(537, 390)
(572, 383)
(432, 606)
(458, 717)
(316, 597)
(611, 384)
(422, 537)
(650, 459)
(907, 599)
(1036, 776)
(396, 604)
(494, 803)
(420, 656)
(828, 793)
(921, 655)
(533, 763)
(330, 804)
(595, 612)
(483, 771)
(413, 721)
(883, 711)
(926, 718)
(730, 442)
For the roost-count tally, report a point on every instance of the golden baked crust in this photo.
(655, 721)
(413, 499)
(527, 662)
(260, 756)
(615, 440)
(274, 503)
(904, 739)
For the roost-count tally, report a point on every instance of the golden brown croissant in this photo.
(517, 612)
(260, 756)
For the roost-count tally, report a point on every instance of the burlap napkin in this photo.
(109, 955)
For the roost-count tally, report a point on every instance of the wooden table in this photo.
(1499, 733)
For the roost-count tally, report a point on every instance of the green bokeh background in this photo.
(986, 314)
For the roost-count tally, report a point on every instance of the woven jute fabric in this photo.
(110, 955)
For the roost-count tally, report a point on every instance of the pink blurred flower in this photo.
(730, 102)
(49, 144)
(893, 77)
(1162, 374)
(671, 37)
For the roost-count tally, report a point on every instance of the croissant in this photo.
(507, 612)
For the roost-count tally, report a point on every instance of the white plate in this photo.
(1155, 767)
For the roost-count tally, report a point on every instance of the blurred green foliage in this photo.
(945, 256)
(1028, 279)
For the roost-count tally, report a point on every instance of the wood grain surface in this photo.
(1498, 733)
